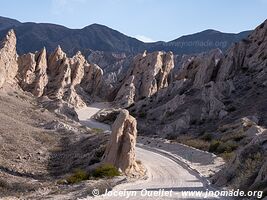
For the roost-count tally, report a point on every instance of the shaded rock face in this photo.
(248, 169)
(209, 88)
(149, 73)
(72, 80)
(8, 59)
(120, 150)
(114, 66)
(248, 55)
(200, 69)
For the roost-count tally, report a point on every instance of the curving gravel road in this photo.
(167, 178)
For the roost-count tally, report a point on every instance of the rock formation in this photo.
(149, 73)
(192, 97)
(72, 80)
(207, 94)
(247, 170)
(207, 87)
(32, 74)
(248, 55)
(120, 150)
(8, 59)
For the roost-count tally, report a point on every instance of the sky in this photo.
(147, 20)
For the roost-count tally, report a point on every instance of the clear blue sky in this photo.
(148, 19)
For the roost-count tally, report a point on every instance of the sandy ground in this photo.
(168, 175)
(205, 163)
(86, 113)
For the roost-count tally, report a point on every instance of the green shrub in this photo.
(142, 115)
(105, 171)
(197, 143)
(78, 176)
(227, 156)
(228, 147)
(194, 142)
(220, 147)
(171, 136)
(214, 145)
(207, 137)
(97, 130)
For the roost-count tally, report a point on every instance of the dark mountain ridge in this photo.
(34, 36)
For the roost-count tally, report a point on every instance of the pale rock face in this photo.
(71, 80)
(191, 98)
(32, 75)
(27, 65)
(127, 91)
(148, 74)
(248, 55)
(59, 73)
(8, 59)
(92, 79)
(41, 75)
(200, 69)
(120, 150)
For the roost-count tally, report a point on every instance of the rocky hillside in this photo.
(33, 37)
(43, 147)
(73, 81)
(149, 73)
(219, 100)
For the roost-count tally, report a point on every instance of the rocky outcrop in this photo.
(208, 87)
(248, 55)
(32, 74)
(120, 150)
(192, 97)
(149, 73)
(8, 59)
(247, 170)
(71, 80)
(200, 69)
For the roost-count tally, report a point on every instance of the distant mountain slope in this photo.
(34, 36)
(200, 42)
(6, 23)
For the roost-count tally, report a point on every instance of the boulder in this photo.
(120, 150)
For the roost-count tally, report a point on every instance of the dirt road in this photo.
(167, 177)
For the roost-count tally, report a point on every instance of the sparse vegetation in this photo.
(207, 137)
(97, 130)
(227, 156)
(171, 136)
(214, 145)
(78, 176)
(105, 171)
(142, 114)
(249, 168)
(194, 142)
(220, 147)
